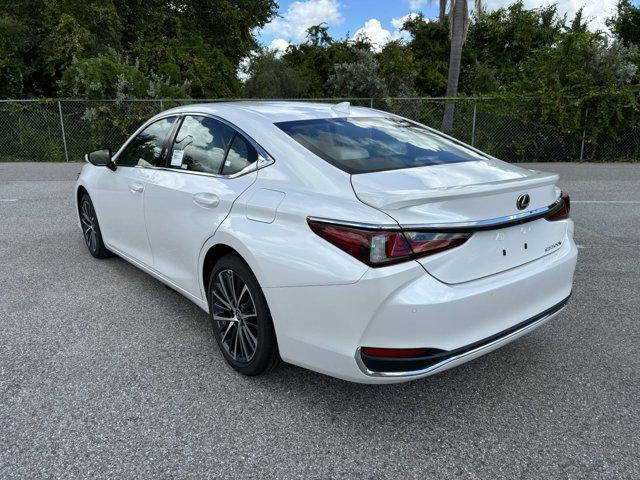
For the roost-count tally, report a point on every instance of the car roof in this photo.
(277, 111)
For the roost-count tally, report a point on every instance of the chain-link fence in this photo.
(63, 130)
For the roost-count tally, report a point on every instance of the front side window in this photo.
(200, 145)
(364, 145)
(241, 154)
(145, 150)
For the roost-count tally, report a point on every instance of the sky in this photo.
(381, 20)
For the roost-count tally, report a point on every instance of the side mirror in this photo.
(101, 158)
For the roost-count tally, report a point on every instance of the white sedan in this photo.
(346, 240)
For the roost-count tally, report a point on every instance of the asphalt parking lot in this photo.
(106, 373)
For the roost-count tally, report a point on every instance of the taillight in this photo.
(562, 213)
(378, 248)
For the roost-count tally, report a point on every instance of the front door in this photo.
(119, 196)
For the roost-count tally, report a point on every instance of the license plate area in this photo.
(493, 251)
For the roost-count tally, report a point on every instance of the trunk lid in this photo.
(467, 192)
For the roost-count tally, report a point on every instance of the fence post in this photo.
(584, 133)
(473, 125)
(64, 137)
(371, 102)
(161, 106)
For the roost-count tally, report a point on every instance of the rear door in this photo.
(187, 200)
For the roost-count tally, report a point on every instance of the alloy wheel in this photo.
(89, 225)
(234, 316)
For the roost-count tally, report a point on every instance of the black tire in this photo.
(91, 228)
(243, 330)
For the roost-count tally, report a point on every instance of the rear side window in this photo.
(200, 145)
(241, 154)
(145, 150)
(365, 145)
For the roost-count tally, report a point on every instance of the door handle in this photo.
(206, 200)
(136, 187)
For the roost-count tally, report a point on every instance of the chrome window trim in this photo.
(253, 167)
(440, 365)
(264, 159)
(492, 223)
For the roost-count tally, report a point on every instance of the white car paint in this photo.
(325, 303)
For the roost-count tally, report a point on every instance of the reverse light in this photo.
(561, 213)
(378, 248)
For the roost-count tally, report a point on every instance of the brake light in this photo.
(561, 213)
(378, 248)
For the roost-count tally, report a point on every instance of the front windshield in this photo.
(364, 145)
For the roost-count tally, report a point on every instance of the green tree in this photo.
(14, 45)
(200, 42)
(626, 24)
(359, 78)
(397, 69)
(316, 57)
(503, 39)
(115, 76)
(429, 48)
(270, 77)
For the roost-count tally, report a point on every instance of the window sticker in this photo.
(176, 158)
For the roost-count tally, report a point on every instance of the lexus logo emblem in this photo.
(523, 201)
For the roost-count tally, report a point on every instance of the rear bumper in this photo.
(443, 360)
(401, 306)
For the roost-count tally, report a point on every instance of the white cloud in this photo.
(279, 46)
(594, 11)
(301, 15)
(377, 35)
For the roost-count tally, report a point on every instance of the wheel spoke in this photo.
(232, 287)
(222, 300)
(224, 336)
(251, 337)
(251, 325)
(223, 290)
(245, 289)
(235, 344)
(224, 319)
(243, 347)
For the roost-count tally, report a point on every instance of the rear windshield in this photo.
(364, 145)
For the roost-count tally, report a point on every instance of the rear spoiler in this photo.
(410, 198)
